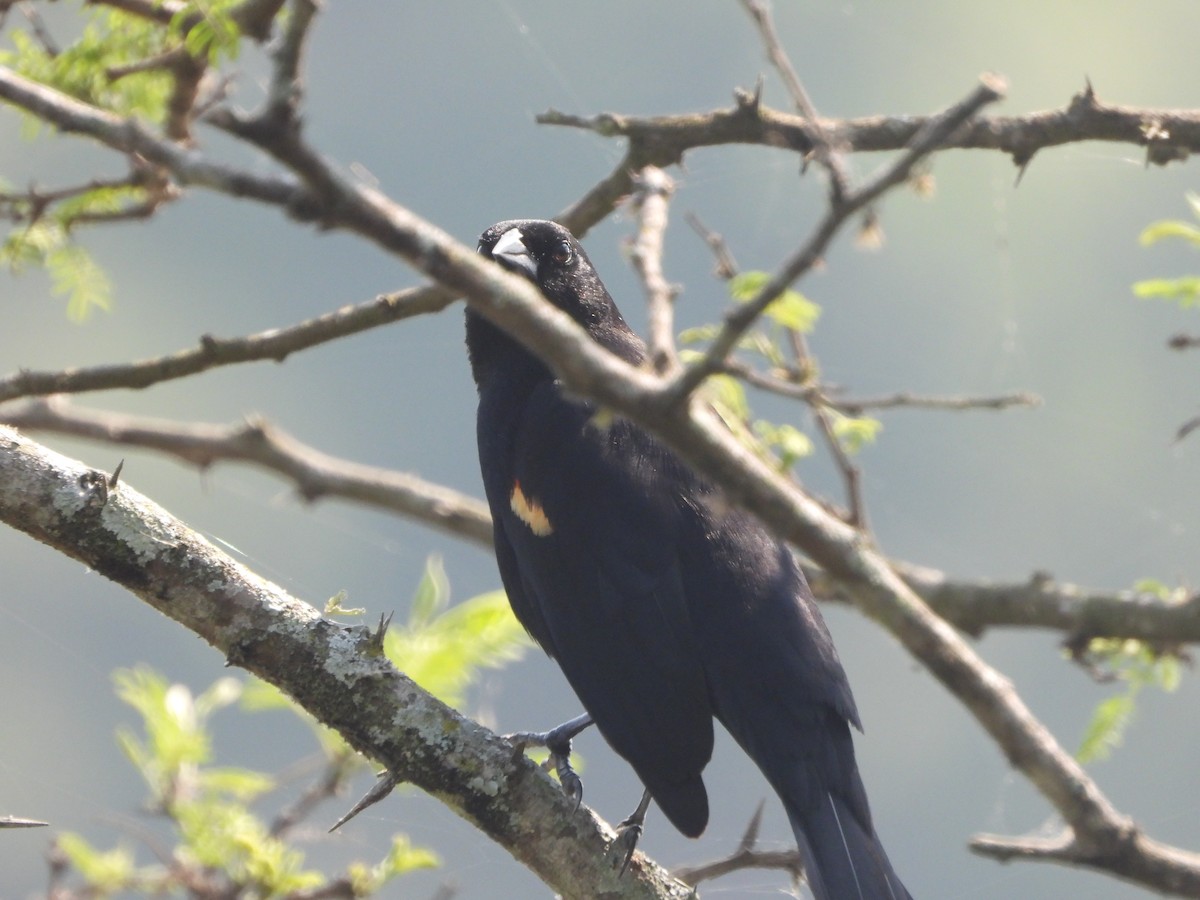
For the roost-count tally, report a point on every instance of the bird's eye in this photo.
(562, 253)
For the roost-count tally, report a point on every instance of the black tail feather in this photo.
(843, 859)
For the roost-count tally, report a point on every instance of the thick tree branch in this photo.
(326, 667)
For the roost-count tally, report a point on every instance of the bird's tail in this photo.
(815, 774)
(843, 858)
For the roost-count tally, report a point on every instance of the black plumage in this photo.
(663, 606)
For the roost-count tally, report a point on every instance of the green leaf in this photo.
(855, 432)
(242, 785)
(1139, 665)
(74, 273)
(443, 654)
(728, 397)
(221, 693)
(229, 839)
(1169, 228)
(442, 648)
(1107, 728)
(175, 733)
(402, 857)
(1185, 290)
(1153, 587)
(104, 872)
(701, 334)
(47, 244)
(791, 309)
(790, 442)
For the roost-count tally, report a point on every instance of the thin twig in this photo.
(275, 344)
(726, 265)
(906, 400)
(744, 856)
(823, 149)
(40, 31)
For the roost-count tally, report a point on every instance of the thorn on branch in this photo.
(374, 645)
(15, 822)
(379, 791)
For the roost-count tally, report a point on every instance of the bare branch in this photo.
(745, 856)
(1084, 118)
(314, 474)
(654, 189)
(276, 344)
(974, 607)
(854, 406)
(285, 93)
(1165, 868)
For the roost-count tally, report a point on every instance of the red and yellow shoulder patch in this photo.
(529, 511)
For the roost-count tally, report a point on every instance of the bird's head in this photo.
(549, 256)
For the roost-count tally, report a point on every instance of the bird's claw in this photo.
(623, 845)
(558, 741)
(629, 831)
(572, 784)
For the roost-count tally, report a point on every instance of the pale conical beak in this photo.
(511, 249)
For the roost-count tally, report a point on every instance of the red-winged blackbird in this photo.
(663, 605)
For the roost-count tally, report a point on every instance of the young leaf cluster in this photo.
(1184, 290)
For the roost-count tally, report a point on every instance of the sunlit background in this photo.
(986, 287)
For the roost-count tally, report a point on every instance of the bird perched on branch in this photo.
(664, 606)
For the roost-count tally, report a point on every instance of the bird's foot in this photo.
(558, 741)
(629, 832)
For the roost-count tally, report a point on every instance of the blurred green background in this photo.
(984, 288)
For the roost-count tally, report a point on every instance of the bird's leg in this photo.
(558, 741)
(628, 832)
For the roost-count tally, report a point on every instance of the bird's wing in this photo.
(587, 529)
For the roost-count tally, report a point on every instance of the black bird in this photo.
(663, 606)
